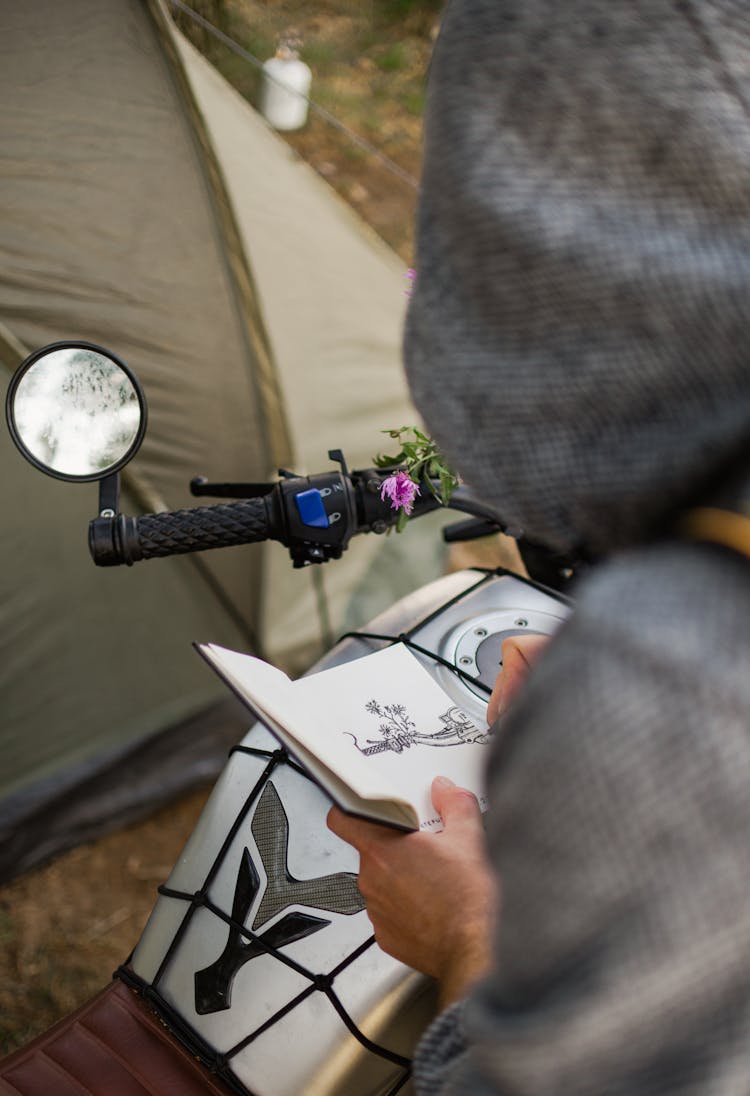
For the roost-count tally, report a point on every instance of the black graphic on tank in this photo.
(336, 893)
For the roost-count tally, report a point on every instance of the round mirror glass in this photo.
(76, 411)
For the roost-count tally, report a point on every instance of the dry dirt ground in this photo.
(66, 926)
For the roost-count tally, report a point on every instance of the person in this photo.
(578, 343)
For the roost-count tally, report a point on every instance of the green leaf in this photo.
(447, 485)
(382, 461)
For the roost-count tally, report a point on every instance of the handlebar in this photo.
(315, 517)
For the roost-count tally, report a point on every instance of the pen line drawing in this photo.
(399, 732)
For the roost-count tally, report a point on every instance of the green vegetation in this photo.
(392, 59)
(422, 12)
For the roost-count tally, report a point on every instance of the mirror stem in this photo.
(109, 495)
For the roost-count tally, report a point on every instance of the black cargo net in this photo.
(213, 984)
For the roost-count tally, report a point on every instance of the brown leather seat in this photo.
(113, 1046)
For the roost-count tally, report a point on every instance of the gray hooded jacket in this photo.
(579, 343)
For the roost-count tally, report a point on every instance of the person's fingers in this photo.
(458, 807)
(337, 821)
(516, 665)
(495, 704)
(519, 654)
(357, 831)
(354, 831)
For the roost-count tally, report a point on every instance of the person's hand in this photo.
(431, 897)
(519, 654)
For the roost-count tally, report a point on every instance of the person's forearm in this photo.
(467, 969)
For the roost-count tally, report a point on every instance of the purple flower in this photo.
(401, 490)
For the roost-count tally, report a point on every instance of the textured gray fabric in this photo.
(578, 342)
(620, 825)
(577, 338)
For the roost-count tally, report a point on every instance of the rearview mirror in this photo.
(76, 411)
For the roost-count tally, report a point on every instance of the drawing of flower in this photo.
(395, 726)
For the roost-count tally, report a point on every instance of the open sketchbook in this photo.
(373, 733)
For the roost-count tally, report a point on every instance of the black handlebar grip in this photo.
(181, 531)
(121, 539)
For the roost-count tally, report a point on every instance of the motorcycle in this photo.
(259, 942)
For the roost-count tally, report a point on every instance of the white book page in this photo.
(384, 713)
(381, 722)
(298, 718)
(253, 673)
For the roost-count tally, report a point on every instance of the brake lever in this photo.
(199, 485)
(472, 529)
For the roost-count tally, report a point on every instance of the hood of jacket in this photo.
(578, 339)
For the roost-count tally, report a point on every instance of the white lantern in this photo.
(284, 90)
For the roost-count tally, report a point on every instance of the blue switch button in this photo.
(311, 509)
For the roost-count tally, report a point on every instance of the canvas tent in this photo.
(146, 207)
